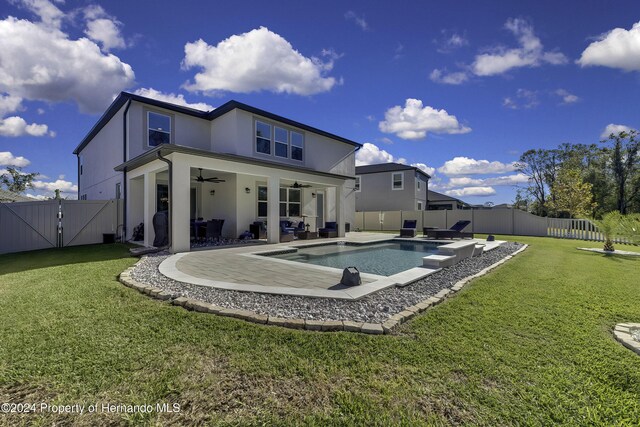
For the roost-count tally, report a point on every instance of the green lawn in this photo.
(528, 344)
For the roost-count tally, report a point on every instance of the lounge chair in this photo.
(409, 228)
(449, 233)
(330, 229)
(286, 233)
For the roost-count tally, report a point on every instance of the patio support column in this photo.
(273, 209)
(180, 199)
(340, 209)
(149, 207)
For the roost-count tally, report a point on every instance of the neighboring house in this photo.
(9, 197)
(438, 201)
(391, 187)
(266, 167)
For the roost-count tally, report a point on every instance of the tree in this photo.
(609, 226)
(571, 194)
(625, 167)
(541, 167)
(16, 181)
(630, 227)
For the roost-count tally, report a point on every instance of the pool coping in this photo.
(622, 334)
(169, 268)
(386, 327)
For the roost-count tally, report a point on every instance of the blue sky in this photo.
(459, 91)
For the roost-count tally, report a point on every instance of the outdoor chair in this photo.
(286, 233)
(258, 229)
(455, 231)
(214, 229)
(330, 229)
(409, 228)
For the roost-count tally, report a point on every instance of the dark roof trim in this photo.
(166, 149)
(443, 198)
(388, 167)
(211, 115)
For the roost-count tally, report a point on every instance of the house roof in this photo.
(434, 196)
(7, 196)
(388, 167)
(124, 97)
(165, 149)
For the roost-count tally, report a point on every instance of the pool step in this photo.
(438, 261)
(479, 249)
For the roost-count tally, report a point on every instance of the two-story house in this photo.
(236, 163)
(391, 187)
(439, 201)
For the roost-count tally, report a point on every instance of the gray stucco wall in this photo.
(98, 179)
(376, 193)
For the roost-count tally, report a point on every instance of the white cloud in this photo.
(358, 20)
(36, 196)
(106, 32)
(424, 168)
(614, 129)
(399, 52)
(255, 61)
(8, 159)
(530, 53)
(465, 181)
(9, 104)
(370, 154)
(414, 121)
(38, 61)
(385, 140)
(17, 126)
(472, 191)
(524, 99)
(468, 166)
(567, 97)
(60, 184)
(172, 98)
(619, 48)
(450, 41)
(443, 76)
(49, 14)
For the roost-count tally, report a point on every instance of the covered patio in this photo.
(194, 186)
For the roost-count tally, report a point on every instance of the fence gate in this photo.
(27, 226)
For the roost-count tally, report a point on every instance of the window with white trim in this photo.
(262, 201)
(417, 183)
(263, 138)
(81, 164)
(158, 129)
(281, 139)
(357, 186)
(118, 190)
(419, 206)
(290, 201)
(297, 146)
(397, 181)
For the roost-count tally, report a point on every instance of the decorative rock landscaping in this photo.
(377, 313)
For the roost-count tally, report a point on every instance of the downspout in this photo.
(170, 212)
(124, 174)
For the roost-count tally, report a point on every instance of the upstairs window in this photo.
(417, 183)
(297, 145)
(397, 181)
(419, 206)
(159, 129)
(263, 138)
(357, 186)
(281, 137)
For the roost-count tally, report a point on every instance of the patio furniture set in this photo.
(454, 232)
(289, 232)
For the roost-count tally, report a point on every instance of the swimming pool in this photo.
(385, 258)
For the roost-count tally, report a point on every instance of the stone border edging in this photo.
(386, 327)
(622, 333)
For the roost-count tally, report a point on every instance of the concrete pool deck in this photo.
(244, 269)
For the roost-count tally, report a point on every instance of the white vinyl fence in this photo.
(27, 226)
(484, 221)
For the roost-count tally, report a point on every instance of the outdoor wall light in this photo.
(247, 190)
(313, 195)
(212, 192)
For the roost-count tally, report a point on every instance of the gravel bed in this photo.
(374, 308)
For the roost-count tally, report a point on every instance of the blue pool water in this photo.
(384, 259)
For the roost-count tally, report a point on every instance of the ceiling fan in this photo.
(296, 185)
(201, 179)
